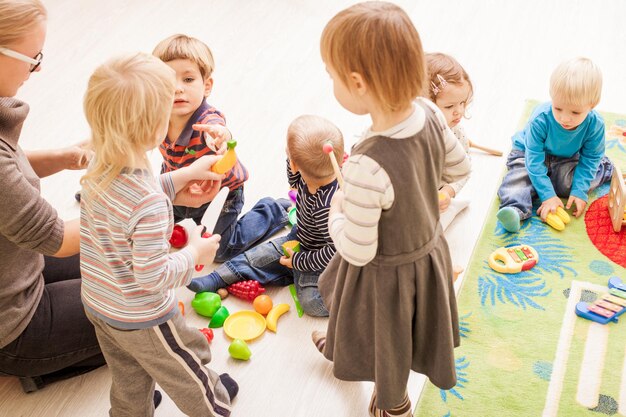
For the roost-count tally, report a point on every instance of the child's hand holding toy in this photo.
(219, 136)
(445, 196)
(204, 248)
(549, 206)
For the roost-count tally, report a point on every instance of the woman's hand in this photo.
(195, 194)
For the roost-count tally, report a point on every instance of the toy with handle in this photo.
(609, 307)
(485, 149)
(513, 259)
(328, 148)
(212, 213)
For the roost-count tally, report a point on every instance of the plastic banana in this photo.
(272, 317)
(555, 221)
(562, 215)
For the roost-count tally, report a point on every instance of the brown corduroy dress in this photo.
(398, 312)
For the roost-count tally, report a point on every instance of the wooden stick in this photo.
(485, 149)
(328, 148)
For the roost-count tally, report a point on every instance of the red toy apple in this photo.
(179, 236)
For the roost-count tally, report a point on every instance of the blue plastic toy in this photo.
(609, 307)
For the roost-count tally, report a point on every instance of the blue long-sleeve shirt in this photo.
(543, 135)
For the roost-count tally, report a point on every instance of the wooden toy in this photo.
(490, 151)
(513, 259)
(617, 199)
(609, 307)
(328, 148)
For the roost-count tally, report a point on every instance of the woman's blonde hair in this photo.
(378, 41)
(444, 67)
(185, 47)
(128, 100)
(577, 81)
(17, 19)
(306, 137)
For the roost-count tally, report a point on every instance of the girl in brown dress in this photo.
(389, 287)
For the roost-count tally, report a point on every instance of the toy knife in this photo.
(212, 213)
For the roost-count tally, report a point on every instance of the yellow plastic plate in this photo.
(245, 325)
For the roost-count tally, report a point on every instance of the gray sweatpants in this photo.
(172, 354)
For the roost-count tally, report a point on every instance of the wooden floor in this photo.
(268, 72)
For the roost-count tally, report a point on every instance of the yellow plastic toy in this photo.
(228, 161)
(559, 219)
(513, 259)
(294, 245)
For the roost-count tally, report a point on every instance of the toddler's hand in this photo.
(215, 136)
(287, 261)
(549, 206)
(579, 203)
(444, 201)
(205, 248)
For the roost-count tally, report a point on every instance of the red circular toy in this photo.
(179, 236)
(208, 333)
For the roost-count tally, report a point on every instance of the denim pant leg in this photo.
(516, 189)
(260, 263)
(266, 218)
(562, 174)
(309, 293)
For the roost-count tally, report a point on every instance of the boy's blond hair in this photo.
(306, 137)
(17, 19)
(577, 81)
(128, 100)
(378, 41)
(185, 47)
(449, 69)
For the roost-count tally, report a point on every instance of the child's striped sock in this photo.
(319, 338)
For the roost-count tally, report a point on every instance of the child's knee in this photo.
(312, 302)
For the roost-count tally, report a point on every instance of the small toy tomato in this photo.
(179, 236)
(208, 333)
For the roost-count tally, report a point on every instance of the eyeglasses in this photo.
(34, 62)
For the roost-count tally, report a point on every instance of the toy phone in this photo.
(513, 259)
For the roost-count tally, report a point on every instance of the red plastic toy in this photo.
(179, 236)
(208, 333)
(246, 290)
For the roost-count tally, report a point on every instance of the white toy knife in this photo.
(212, 213)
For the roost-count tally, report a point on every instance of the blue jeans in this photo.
(518, 192)
(261, 264)
(267, 217)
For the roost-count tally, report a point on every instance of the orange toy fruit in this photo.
(263, 304)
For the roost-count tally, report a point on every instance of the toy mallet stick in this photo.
(485, 149)
(328, 148)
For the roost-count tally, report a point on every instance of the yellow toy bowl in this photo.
(513, 259)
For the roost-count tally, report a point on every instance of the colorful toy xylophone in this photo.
(609, 307)
(513, 259)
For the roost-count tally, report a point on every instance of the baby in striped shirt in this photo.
(310, 172)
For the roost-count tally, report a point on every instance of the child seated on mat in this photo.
(451, 90)
(310, 172)
(560, 152)
(128, 275)
(186, 141)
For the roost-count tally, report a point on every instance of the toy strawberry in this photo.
(246, 290)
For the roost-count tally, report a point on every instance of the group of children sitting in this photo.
(404, 170)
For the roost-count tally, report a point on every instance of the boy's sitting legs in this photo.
(260, 263)
(309, 294)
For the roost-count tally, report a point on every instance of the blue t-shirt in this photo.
(543, 135)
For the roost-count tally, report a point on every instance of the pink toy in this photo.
(328, 148)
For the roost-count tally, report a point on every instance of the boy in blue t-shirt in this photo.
(560, 152)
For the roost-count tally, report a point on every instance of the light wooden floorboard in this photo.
(268, 72)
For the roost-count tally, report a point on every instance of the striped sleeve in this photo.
(166, 185)
(292, 177)
(153, 266)
(368, 191)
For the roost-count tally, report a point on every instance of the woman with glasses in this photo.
(44, 334)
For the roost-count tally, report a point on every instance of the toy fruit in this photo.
(206, 303)
(294, 245)
(239, 349)
(228, 160)
(218, 318)
(263, 304)
(246, 290)
(559, 219)
(208, 333)
(179, 237)
(223, 293)
(272, 317)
